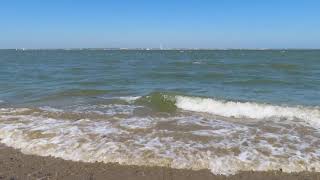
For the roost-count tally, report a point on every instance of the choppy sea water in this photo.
(222, 110)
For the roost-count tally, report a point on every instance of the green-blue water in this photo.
(197, 109)
(289, 77)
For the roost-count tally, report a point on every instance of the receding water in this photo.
(223, 110)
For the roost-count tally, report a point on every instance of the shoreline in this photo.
(15, 165)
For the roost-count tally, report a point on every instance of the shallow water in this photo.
(225, 111)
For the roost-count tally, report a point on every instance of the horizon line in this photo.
(159, 49)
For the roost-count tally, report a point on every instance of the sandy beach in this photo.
(15, 165)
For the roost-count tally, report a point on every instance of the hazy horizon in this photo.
(155, 48)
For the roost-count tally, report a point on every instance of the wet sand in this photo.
(14, 165)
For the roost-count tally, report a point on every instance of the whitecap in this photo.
(129, 99)
(247, 109)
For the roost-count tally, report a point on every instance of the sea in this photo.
(222, 110)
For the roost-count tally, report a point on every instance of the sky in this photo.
(149, 23)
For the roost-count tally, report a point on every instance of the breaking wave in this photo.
(186, 137)
(171, 102)
(247, 109)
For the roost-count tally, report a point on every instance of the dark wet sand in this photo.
(15, 165)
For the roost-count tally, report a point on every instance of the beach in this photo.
(15, 166)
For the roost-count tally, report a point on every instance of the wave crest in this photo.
(246, 109)
(159, 101)
(171, 102)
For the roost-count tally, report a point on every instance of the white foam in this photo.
(129, 99)
(117, 140)
(197, 62)
(50, 109)
(137, 123)
(13, 110)
(109, 109)
(102, 109)
(247, 109)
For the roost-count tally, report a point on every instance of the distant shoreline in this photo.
(168, 49)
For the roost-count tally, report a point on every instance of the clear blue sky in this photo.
(148, 23)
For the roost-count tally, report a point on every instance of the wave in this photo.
(246, 109)
(171, 102)
(129, 99)
(159, 101)
(186, 140)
